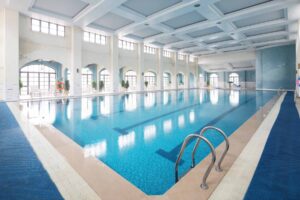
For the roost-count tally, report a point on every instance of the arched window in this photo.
(167, 79)
(37, 77)
(131, 77)
(105, 77)
(214, 80)
(180, 79)
(87, 77)
(234, 78)
(150, 77)
(192, 80)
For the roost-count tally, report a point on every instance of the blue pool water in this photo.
(140, 135)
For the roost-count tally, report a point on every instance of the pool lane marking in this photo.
(172, 154)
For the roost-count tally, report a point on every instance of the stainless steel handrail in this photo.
(218, 167)
(213, 158)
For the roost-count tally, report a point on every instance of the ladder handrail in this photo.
(218, 167)
(213, 160)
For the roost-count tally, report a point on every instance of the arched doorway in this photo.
(86, 80)
(104, 77)
(201, 80)
(38, 78)
(234, 79)
(150, 79)
(192, 80)
(131, 77)
(180, 80)
(167, 80)
(214, 80)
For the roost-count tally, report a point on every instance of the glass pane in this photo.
(53, 29)
(92, 37)
(86, 36)
(98, 39)
(45, 27)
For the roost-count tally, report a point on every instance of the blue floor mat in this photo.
(22, 175)
(277, 175)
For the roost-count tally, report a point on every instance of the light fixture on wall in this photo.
(77, 70)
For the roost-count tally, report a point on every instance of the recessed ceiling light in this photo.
(146, 24)
(219, 22)
(197, 5)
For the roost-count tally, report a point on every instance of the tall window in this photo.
(131, 77)
(37, 77)
(150, 77)
(94, 38)
(126, 45)
(149, 50)
(104, 76)
(167, 79)
(192, 58)
(181, 57)
(87, 77)
(234, 78)
(167, 54)
(47, 27)
(180, 78)
(213, 80)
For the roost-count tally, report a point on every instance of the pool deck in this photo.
(80, 177)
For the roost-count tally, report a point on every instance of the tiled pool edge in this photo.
(125, 190)
(238, 178)
(67, 180)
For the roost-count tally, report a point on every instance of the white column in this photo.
(187, 71)
(174, 77)
(141, 67)
(160, 72)
(9, 67)
(114, 60)
(76, 61)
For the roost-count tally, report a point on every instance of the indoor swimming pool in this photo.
(139, 135)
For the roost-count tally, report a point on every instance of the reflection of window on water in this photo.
(234, 98)
(201, 96)
(126, 140)
(105, 105)
(149, 100)
(40, 112)
(181, 121)
(192, 116)
(167, 126)
(86, 108)
(130, 102)
(95, 150)
(166, 98)
(149, 132)
(214, 80)
(214, 96)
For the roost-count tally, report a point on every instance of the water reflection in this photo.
(167, 125)
(166, 98)
(127, 140)
(40, 112)
(181, 121)
(105, 105)
(192, 116)
(149, 100)
(214, 96)
(201, 96)
(234, 97)
(130, 102)
(149, 132)
(95, 150)
(86, 108)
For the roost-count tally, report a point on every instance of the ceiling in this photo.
(198, 27)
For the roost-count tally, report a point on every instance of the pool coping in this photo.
(92, 170)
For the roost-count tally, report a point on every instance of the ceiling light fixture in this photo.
(197, 5)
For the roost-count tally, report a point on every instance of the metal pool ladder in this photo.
(212, 149)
